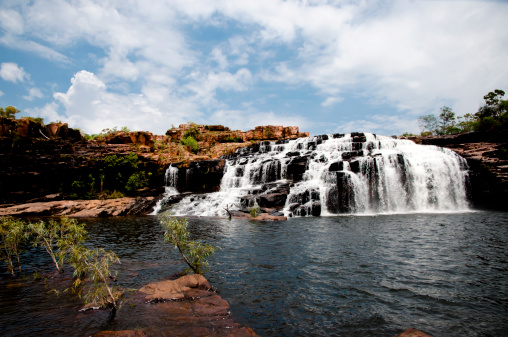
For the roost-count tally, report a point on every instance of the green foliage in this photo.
(493, 116)
(9, 112)
(447, 117)
(118, 169)
(230, 139)
(191, 144)
(39, 120)
(195, 253)
(445, 125)
(428, 123)
(12, 235)
(193, 131)
(408, 134)
(83, 189)
(106, 132)
(136, 181)
(254, 210)
(58, 238)
(94, 264)
(115, 195)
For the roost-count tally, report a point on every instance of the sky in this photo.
(326, 66)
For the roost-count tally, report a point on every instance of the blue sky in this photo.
(324, 65)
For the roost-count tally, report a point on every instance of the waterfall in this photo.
(170, 179)
(356, 173)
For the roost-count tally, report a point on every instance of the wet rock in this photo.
(177, 289)
(412, 333)
(336, 166)
(272, 200)
(296, 168)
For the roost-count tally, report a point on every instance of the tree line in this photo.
(492, 116)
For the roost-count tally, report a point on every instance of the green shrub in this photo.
(191, 144)
(254, 210)
(136, 181)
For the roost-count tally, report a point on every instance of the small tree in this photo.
(447, 117)
(58, 238)
(428, 123)
(12, 235)
(9, 112)
(194, 253)
(95, 264)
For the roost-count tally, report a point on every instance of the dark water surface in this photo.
(445, 274)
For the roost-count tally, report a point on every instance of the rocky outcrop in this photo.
(83, 208)
(191, 308)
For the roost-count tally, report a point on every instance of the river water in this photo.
(443, 273)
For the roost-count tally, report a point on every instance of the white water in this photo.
(392, 176)
(170, 179)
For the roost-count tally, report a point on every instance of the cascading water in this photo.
(170, 178)
(354, 173)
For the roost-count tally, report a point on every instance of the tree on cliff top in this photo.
(9, 112)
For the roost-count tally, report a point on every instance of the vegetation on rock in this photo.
(491, 117)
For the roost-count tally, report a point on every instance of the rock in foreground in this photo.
(188, 306)
(84, 208)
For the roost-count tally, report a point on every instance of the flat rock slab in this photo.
(83, 208)
(187, 306)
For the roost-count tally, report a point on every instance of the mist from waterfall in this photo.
(353, 173)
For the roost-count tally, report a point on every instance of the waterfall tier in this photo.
(356, 173)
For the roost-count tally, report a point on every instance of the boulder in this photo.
(174, 290)
(183, 307)
(62, 131)
(274, 200)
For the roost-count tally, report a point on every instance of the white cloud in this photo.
(1, 93)
(13, 73)
(11, 21)
(331, 101)
(413, 56)
(91, 106)
(205, 85)
(33, 93)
